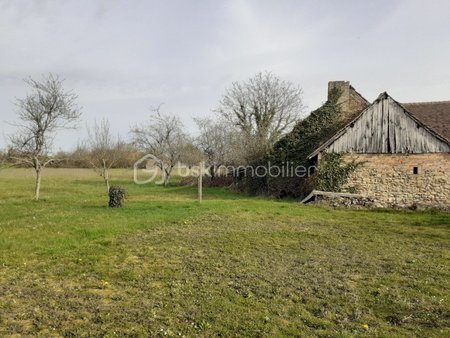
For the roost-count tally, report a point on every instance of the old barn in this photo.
(404, 148)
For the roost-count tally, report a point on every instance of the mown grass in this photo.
(165, 265)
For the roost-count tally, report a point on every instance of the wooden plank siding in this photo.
(386, 127)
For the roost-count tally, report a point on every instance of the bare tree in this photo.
(164, 138)
(264, 108)
(216, 143)
(104, 149)
(44, 111)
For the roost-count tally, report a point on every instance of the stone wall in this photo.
(390, 179)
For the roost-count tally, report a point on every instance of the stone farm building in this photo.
(404, 148)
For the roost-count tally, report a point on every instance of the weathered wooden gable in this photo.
(385, 127)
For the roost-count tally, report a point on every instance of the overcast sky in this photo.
(122, 57)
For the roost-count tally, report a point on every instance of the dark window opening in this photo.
(415, 170)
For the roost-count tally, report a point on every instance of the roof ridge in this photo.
(385, 95)
(427, 102)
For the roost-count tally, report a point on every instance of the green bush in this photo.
(306, 136)
(333, 172)
(116, 197)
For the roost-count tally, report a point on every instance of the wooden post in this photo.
(200, 183)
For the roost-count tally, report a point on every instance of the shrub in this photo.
(116, 197)
(333, 172)
(290, 187)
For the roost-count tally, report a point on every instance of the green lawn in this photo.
(165, 265)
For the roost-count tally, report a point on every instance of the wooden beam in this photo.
(200, 183)
(315, 193)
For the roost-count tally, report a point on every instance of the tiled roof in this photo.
(435, 115)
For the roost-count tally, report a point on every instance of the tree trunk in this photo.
(212, 172)
(200, 186)
(38, 184)
(106, 178)
(165, 178)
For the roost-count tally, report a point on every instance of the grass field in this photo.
(165, 265)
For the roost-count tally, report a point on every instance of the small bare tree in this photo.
(264, 108)
(164, 138)
(216, 143)
(44, 111)
(104, 149)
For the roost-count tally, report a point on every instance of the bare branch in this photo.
(162, 137)
(41, 113)
(264, 108)
(104, 149)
